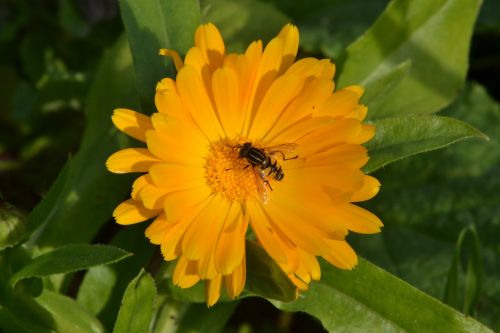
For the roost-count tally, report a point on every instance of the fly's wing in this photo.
(262, 184)
(283, 149)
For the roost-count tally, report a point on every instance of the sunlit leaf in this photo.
(400, 137)
(67, 314)
(426, 201)
(155, 24)
(369, 299)
(433, 34)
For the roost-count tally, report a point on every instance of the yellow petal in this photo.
(156, 230)
(312, 68)
(306, 212)
(172, 177)
(230, 248)
(205, 229)
(168, 102)
(273, 245)
(340, 103)
(171, 244)
(306, 179)
(342, 255)
(310, 264)
(266, 74)
(280, 94)
(152, 197)
(132, 211)
(297, 230)
(175, 57)
(180, 203)
(310, 98)
(183, 276)
(341, 156)
(132, 123)
(235, 282)
(208, 38)
(366, 134)
(212, 290)
(327, 136)
(206, 264)
(194, 95)
(299, 283)
(290, 36)
(138, 185)
(369, 189)
(226, 91)
(131, 160)
(173, 142)
(356, 218)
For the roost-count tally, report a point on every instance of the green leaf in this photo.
(242, 22)
(328, 26)
(467, 245)
(401, 137)
(265, 278)
(102, 287)
(50, 312)
(13, 228)
(136, 311)
(155, 24)
(369, 299)
(70, 258)
(427, 200)
(433, 34)
(67, 315)
(85, 193)
(377, 91)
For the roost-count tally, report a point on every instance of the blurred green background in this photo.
(49, 55)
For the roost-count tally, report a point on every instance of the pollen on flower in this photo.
(228, 174)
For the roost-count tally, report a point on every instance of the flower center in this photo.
(228, 174)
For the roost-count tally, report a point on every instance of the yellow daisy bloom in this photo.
(253, 139)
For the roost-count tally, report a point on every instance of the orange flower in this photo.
(248, 139)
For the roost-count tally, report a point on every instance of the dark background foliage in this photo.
(49, 56)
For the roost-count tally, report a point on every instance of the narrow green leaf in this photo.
(241, 22)
(265, 278)
(401, 137)
(433, 34)
(369, 299)
(468, 246)
(155, 24)
(136, 312)
(70, 258)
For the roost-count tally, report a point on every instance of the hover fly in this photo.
(262, 161)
